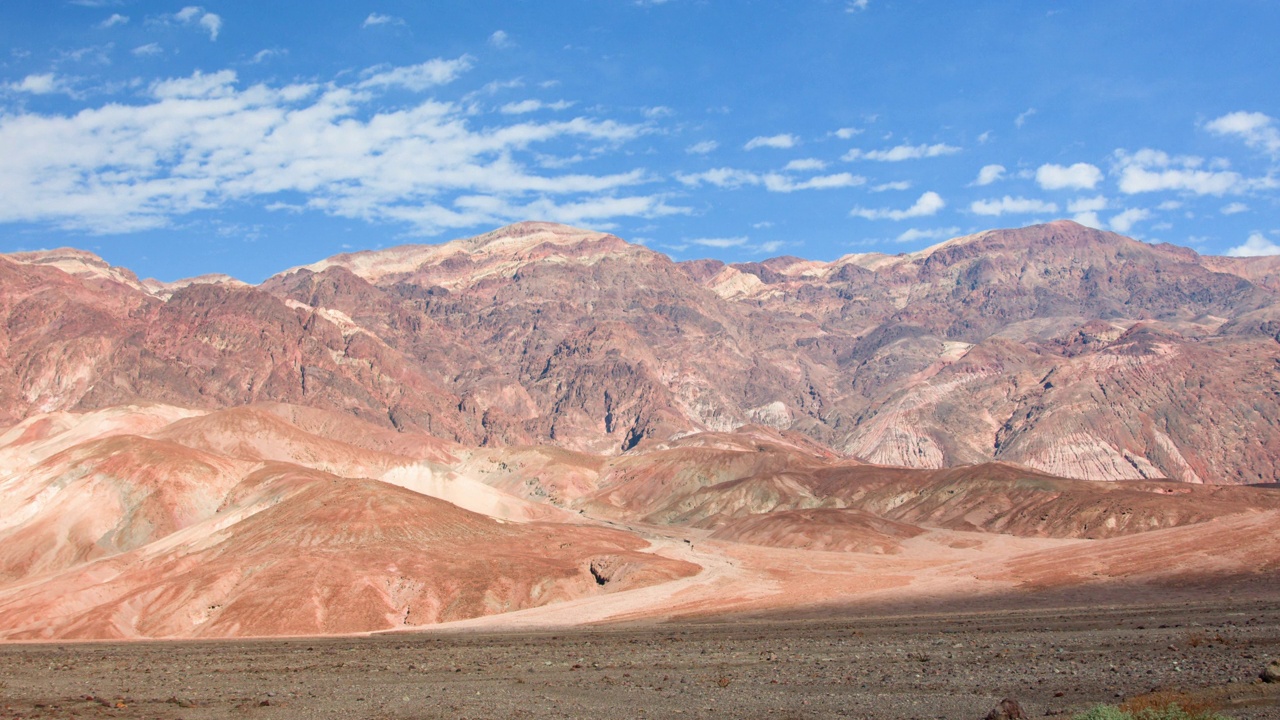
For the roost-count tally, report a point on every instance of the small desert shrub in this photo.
(1168, 711)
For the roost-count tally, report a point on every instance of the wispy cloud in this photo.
(1023, 117)
(418, 77)
(902, 152)
(702, 148)
(148, 49)
(527, 106)
(895, 185)
(848, 133)
(201, 142)
(1011, 206)
(1235, 208)
(1257, 245)
(731, 178)
(912, 235)
(779, 142)
(928, 204)
(196, 15)
(806, 165)
(376, 19)
(1080, 176)
(114, 20)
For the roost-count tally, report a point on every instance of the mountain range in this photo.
(547, 424)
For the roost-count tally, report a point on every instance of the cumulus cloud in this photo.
(702, 148)
(41, 84)
(1085, 210)
(928, 204)
(1080, 176)
(903, 152)
(1124, 221)
(1256, 129)
(1235, 208)
(720, 177)
(203, 141)
(1011, 206)
(1153, 170)
(913, 234)
(114, 20)
(846, 133)
(500, 39)
(779, 142)
(196, 15)
(1256, 246)
(989, 174)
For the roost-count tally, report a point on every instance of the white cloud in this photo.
(903, 152)
(1256, 246)
(989, 174)
(853, 6)
(500, 39)
(1080, 176)
(1012, 206)
(114, 20)
(528, 106)
(720, 177)
(418, 77)
(148, 49)
(1085, 210)
(775, 182)
(1169, 205)
(1235, 208)
(264, 55)
(202, 142)
(1154, 171)
(376, 19)
(732, 178)
(846, 133)
(779, 142)
(702, 148)
(43, 84)
(913, 234)
(806, 165)
(196, 15)
(895, 185)
(1124, 221)
(1256, 129)
(1023, 117)
(721, 242)
(928, 204)
(658, 111)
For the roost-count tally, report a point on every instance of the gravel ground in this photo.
(1054, 662)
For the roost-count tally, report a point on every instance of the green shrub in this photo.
(1166, 712)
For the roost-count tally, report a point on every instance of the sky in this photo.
(248, 137)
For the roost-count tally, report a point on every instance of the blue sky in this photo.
(244, 138)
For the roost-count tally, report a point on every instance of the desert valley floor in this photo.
(929, 664)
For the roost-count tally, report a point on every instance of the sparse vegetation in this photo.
(1155, 706)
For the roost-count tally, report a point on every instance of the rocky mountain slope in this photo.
(1077, 352)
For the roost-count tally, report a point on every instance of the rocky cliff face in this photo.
(1080, 353)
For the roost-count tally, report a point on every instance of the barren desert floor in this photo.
(925, 665)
